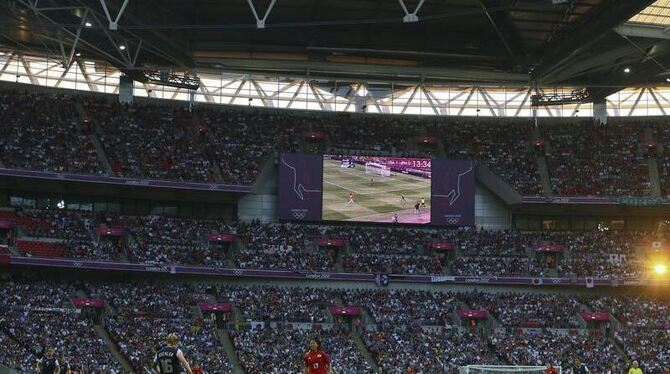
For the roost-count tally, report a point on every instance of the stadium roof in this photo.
(582, 43)
(657, 13)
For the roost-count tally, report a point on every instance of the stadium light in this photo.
(88, 24)
(626, 70)
(122, 47)
(78, 54)
(667, 79)
(660, 269)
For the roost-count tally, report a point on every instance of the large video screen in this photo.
(391, 190)
(376, 189)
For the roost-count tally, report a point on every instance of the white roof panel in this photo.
(657, 13)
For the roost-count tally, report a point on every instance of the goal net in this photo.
(379, 169)
(503, 369)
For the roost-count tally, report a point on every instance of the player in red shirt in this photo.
(316, 360)
(550, 369)
(351, 198)
(197, 369)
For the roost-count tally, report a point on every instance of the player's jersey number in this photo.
(166, 366)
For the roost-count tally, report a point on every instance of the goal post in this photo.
(503, 369)
(378, 169)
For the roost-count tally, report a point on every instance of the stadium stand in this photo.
(597, 353)
(292, 246)
(590, 159)
(266, 331)
(37, 315)
(421, 186)
(396, 349)
(48, 139)
(166, 142)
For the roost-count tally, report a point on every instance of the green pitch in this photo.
(376, 202)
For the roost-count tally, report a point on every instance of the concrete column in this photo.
(600, 111)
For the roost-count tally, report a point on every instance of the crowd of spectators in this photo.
(384, 240)
(601, 267)
(282, 246)
(595, 351)
(13, 354)
(36, 315)
(497, 266)
(354, 133)
(139, 337)
(650, 347)
(69, 334)
(232, 144)
(157, 239)
(498, 243)
(504, 145)
(281, 351)
(634, 311)
(398, 348)
(603, 253)
(75, 230)
(590, 159)
(161, 239)
(57, 224)
(402, 307)
(150, 141)
(393, 264)
(265, 303)
(263, 350)
(44, 132)
(514, 309)
(155, 300)
(143, 314)
(410, 328)
(242, 140)
(662, 138)
(34, 294)
(289, 259)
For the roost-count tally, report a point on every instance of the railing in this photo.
(328, 276)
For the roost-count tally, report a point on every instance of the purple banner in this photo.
(109, 231)
(453, 193)
(300, 186)
(472, 314)
(442, 246)
(548, 247)
(595, 316)
(91, 303)
(286, 274)
(221, 237)
(566, 200)
(597, 200)
(531, 325)
(123, 181)
(345, 310)
(6, 223)
(216, 307)
(330, 242)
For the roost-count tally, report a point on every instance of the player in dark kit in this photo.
(170, 359)
(316, 360)
(49, 363)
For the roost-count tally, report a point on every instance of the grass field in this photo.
(375, 202)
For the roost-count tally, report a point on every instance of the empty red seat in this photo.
(40, 249)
